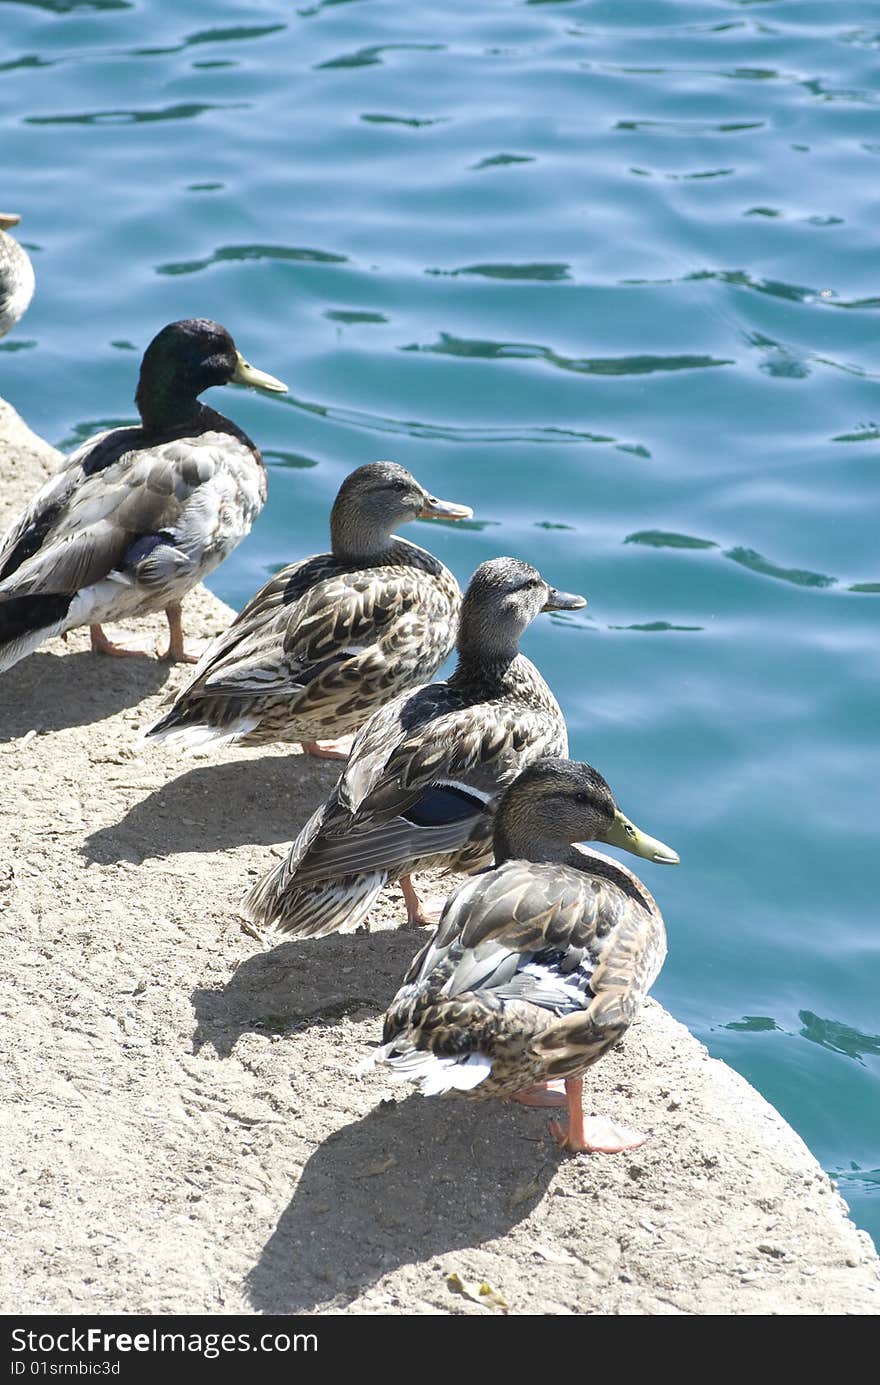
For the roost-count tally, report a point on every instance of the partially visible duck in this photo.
(16, 275)
(539, 965)
(135, 517)
(420, 786)
(330, 639)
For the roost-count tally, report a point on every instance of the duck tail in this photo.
(180, 727)
(432, 1073)
(26, 621)
(310, 893)
(276, 905)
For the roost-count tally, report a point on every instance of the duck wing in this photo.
(304, 645)
(553, 935)
(420, 782)
(146, 513)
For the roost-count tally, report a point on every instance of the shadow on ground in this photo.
(300, 984)
(243, 802)
(410, 1180)
(49, 692)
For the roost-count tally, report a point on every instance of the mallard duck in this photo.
(423, 774)
(135, 517)
(16, 275)
(539, 965)
(330, 639)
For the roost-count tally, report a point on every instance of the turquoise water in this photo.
(606, 272)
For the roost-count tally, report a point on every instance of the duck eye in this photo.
(582, 798)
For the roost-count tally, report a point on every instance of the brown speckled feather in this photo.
(466, 739)
(321, 646)
(537, 967)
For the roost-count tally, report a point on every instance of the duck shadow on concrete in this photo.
(50, 692)
(304, 983)
(243, 802)
(410, 1180)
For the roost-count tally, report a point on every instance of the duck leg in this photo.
(594, 1134)
(419, 915)
(329, 750)
(175, 653)
(544, 1094)
(101, 645)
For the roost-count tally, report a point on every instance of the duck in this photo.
(136, 516)
(424, 771)
(539, 964)
(329, 639)
(16, 275)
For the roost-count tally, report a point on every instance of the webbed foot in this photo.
(329, 750)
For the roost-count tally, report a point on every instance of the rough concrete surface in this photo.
(180, 1123)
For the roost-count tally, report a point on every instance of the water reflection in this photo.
(690, 127)
(373, 55)
(799, 577)
(753, 1024)
(657, 626)
(660, 538)
(869, 1179)
(413, 121)
(448, 345)
(779, 361)
(775, 288)
(351, 316)
(295, 461)
(502, 160)
(185, 111)
(747, 558)
(29, 60)
(840, 1038)
(233, 34)
(548, 273)
(81, 432)
(308, 11)
(253, 252)
(866, 432)
(68, 6)
(444, 432)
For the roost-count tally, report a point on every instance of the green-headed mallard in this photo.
(16, 275)
(135, 517)
(330, 639)
(539, 965)
(420, 785)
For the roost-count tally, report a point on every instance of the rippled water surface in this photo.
(606, 271)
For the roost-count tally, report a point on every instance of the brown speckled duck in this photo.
(330, 639)
(539, 965)
(16, 275)
(135, 517)
(420, 786)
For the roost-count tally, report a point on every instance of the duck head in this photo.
(553, 803)
(374, 501)
(186, 358)
(502, 599)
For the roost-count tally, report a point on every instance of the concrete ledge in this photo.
(179, 1113)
